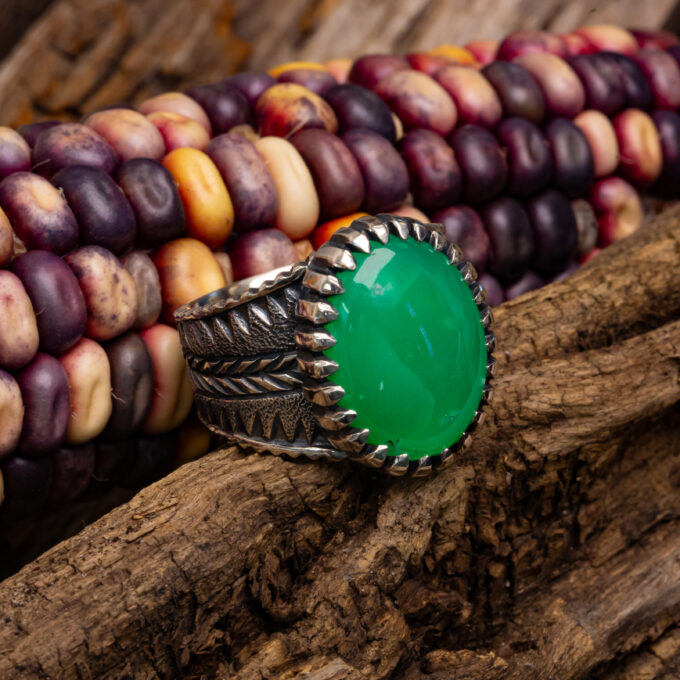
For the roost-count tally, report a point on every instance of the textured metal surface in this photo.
(240, 292)
(239, 343)
(285, 419)
(262, 325)
(255, 354)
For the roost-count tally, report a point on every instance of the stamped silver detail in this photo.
(240, 292)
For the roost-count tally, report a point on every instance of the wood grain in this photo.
(549, 550)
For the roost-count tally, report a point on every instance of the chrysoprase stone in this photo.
(410, 347)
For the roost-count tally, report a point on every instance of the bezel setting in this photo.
(314, 311)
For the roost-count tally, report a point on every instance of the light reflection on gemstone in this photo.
(368, 276)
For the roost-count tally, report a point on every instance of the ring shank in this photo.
(239, 343)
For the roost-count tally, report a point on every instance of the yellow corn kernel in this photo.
(207, 205)
(187, 269)
(290, 65)
(89, 380)
(456, 53)
(410, 211)
(324, 231)
(193, 441)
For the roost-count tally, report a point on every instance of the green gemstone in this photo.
(410, 348)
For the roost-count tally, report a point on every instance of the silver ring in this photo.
(258, 352)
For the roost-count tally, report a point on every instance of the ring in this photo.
(376, 349)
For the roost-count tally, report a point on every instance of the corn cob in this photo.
(530, 152)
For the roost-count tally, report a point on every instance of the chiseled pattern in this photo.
(243, 365)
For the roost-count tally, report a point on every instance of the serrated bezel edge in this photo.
(240, 292)
(318, 284)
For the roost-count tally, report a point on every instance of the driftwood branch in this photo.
(551, 549)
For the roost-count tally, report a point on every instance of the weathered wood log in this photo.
(551, 549)
(83, 54)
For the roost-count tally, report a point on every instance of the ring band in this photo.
(263, 353)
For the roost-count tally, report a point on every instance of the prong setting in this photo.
(357, 240)
(352, 442)
(377, 229)
(315, 340)
(454, 253)
(478, 292)
(316, 366)
(337, 418)
(438, 240)
(314, 311)
(337, 258)
(422, 467)
(419, 230)
(491, 367)
(397, 466)
(324, 395)
(399, 226)
(326, 284)
(468, 272)
(486, 314)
